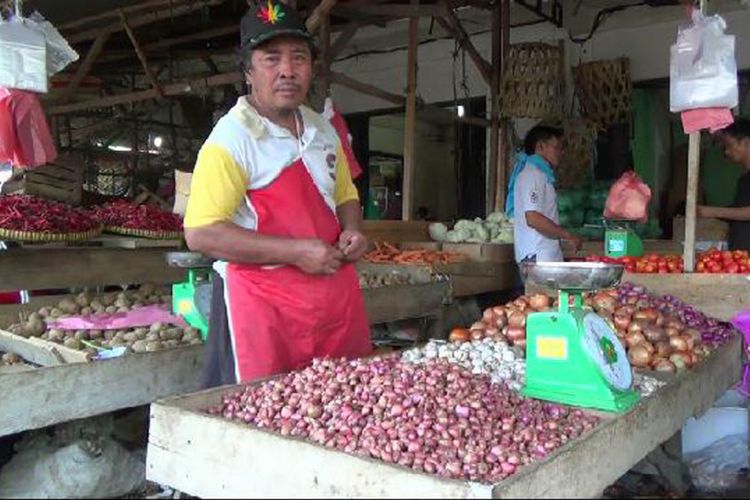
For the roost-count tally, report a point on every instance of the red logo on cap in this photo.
(271, 14)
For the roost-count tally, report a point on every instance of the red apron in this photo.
(281, 318)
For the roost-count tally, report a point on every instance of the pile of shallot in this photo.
(434, 417)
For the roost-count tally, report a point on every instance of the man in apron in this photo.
(272, 199)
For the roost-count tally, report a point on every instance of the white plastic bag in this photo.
(23, 64)
(59, 52)
(702, 67)
(719, 466)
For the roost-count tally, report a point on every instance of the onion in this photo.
(499, 311)
(517, 318)
(539, 301)
(459, 335)
(666, 366)
(636, 326)
(488, 316)
(516, 333)
(654, 334)
(478, 325)
(648, 314)
(639, 356)
(635, 338)
(681, 360)
(621, 320)
(689, 342)
(604, 302)
(663, 349)
(501, 321)
(492, 332)
(671, 331)
(649, 347)
(477, 334)
(678, 343)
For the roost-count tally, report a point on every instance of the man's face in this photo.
(551, 150)
(281, 73)
(735, 149)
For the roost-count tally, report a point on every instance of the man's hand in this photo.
(353, 244)
(318, 257)
(704, 211)
(575, 241)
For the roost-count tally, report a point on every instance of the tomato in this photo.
(744, 269)
(700, 267)
(732, 268)
(714, 267)
(649, 268)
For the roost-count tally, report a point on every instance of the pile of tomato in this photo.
(649, 264)
(715, 261)
(712, 261)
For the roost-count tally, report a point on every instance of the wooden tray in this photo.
(30, 236)
(145, 233)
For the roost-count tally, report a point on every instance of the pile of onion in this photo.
(435, 417)
(655, 340)
(504, 322)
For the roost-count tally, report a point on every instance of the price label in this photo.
(552, 348)
(616, 245)
(185, 307)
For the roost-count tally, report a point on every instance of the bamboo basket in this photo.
(532, 86)
(577, 161)
(39, 237)
(145, 233)
(604, 90)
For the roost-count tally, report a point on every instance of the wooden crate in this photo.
(61, 180)
(209, 457)
(396, 231)
(718, 295)
(483, 252)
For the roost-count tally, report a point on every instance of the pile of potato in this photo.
(10, 359)
(156, 337)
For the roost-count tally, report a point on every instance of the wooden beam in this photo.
(209, 62)
(234, 28)
(366, 88)
(401, 11)
(343, 39)
(694, 154)
(153, 4)
(85, 67)
(322, 10)
(324, 80)
(169, 90)
(141, 56)
(452, 25)
(142, 20)
(350, 11)
(407, 192)
(492, 178)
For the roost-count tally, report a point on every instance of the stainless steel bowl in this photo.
(572, 276)
(188, 260)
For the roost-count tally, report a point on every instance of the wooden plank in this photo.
(322, 10)
(141, 56)
(492, 252)
(39, 269)
(717, 295)
(400, 11)
(30, 349)
(48, 396)
(396, 231)
(85, 67)
(694, 152)
(366, 88)
(410, 137)
(393, 303)
(183, 451)
(452, 24)
(152, 4)
(467, 285)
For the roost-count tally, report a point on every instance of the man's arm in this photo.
(550, 229)
(227, 241)
(352, 242)
(729, 213)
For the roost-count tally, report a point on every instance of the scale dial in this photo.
(605, 351)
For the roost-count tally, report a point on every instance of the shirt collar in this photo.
(258, 125)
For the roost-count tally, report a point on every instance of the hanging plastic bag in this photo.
(59, 53)
(628, 199)
(23, 64)
(334, 117)
(702, 67)
(25, 138)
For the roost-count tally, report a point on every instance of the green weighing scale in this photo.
(191, 299)
(620, 239)
(573, 356)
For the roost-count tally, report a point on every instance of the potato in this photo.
(73, 343)
(123, 303)
(81, 335)
(108, 299)
(110, 310)
(35, 327)
(90, 351)
(119, 336)
(147, 289)
(165, 299)
(96, 334)
(171, 344)
(85, 311)
(140, 333)
(35, 316)
(196, 342)
(139, 346)
(20, 330)
(157, 327)
(68, 306)
(123, 309)
(153, 346)
(130, 337)
(106, 344)
(137, 304)
(83, 299)
(96, 305)
(109, 335)
(44, 312)
(152, 337)
(55, 312)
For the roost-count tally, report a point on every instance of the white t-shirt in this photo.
(533, 192)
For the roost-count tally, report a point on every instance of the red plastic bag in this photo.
(628, 199)
(338, 122)
(25, 138)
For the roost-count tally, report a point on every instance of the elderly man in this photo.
(272, 198)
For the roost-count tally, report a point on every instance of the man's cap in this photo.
(271, 19)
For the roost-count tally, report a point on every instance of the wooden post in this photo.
(324, 79)
(694, 152)
(410, 131)
(492, 181)
(504, 145)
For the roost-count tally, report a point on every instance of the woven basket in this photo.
(145, 233)
(38, 237)
(532, 84)
(604, 89)
(577, 161)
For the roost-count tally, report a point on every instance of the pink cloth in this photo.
(25, 138)
(741, 321)
(137, 318)
(711, 118)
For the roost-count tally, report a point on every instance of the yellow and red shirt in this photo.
(246, 151)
